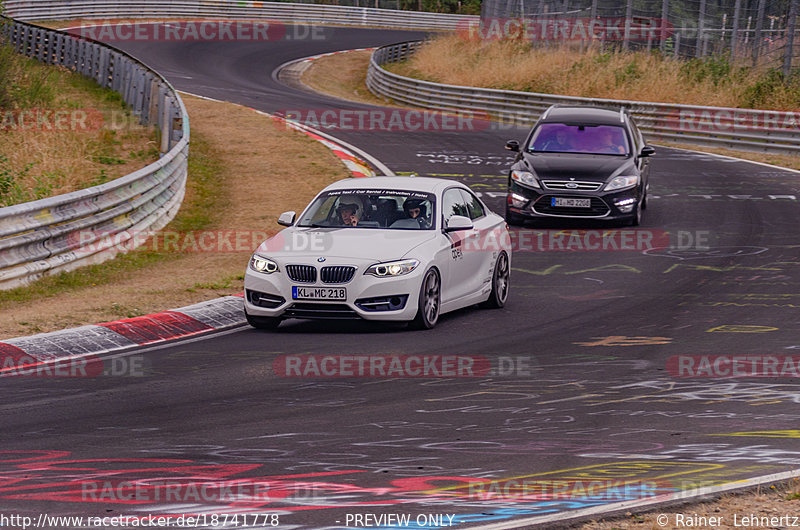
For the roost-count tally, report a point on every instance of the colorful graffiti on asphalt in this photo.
(167, 485)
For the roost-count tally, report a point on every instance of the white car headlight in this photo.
(393, 268)
(622, 182)
(262, 264)
(525, 177)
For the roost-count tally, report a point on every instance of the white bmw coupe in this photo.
(381, 248)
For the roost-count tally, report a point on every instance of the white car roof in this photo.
(425, 184)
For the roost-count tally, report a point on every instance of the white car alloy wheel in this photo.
(500, 283)
(429, 301)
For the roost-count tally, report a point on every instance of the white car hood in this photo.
(350, 243)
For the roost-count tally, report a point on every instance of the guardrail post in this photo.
(759, 27)
(791, 26)
(737, 8)
(117, 72)
(164, 119)
(103, 70)
(700, 45)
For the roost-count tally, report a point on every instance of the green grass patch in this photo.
(205, 199)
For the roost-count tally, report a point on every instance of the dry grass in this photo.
(45, 162)
(350, 70)
(640, 76)
(263, 169)
(343, 75)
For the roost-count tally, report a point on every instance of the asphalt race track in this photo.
(585, 388)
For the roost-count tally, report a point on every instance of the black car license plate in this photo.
(566, 202)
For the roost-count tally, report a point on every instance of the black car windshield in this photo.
(372, 208)
(584, 139)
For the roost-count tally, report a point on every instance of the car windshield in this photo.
(366, 208)
(584, 139)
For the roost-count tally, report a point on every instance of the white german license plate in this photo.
(318, 293)
(571, 203)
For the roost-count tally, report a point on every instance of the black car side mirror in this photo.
(512, 145)
(647, 151)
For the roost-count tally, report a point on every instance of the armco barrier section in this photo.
(233, 9)
(90, 225)
(743, 129)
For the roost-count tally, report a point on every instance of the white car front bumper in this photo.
(367, 296)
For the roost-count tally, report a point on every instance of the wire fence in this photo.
(761, 32)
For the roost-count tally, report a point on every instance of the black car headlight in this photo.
(526, 178)
(393, 268)
(622, 182)
(262, 264)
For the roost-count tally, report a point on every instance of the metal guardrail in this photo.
(233, 9)
(80, 228)
(742, 129)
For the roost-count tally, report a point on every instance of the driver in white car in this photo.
(415, 209)
(348, 214)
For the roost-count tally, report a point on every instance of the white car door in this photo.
(481, 246)
(465, 263)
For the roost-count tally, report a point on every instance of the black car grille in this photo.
(337, 274)
(302, 273)
(598, 208)
(316, 310)
(571, 185)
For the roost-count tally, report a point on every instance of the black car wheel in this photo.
(500, 283)
(430, 295)
(263, 322)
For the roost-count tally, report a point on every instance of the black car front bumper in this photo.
(538, 203)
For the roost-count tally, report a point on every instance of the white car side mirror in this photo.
(458, 222)
(286, 218)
